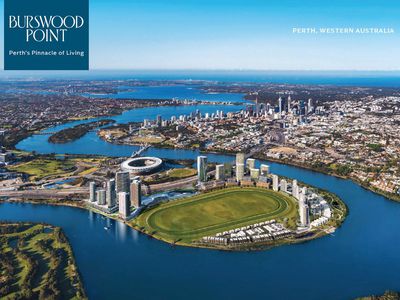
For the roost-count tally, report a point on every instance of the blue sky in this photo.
(241, 34)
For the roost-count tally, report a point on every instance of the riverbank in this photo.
(16, 138)
(69, 135)
(10, 140)
(70, 203)
(264, 246)
(355, 180)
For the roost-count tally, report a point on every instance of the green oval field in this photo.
(206, 214)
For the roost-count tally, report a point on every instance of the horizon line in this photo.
(208, 70)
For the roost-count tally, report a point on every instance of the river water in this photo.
(360, 258)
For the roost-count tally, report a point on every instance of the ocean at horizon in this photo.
(342, 78)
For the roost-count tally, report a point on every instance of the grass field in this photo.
(39, 168)
(170, 175)
(190, 219)
(148, 139)
(36, 262)
(50, 167)
(181, 173)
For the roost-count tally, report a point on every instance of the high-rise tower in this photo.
(304, 211)
(202, 168)
(92, 191)
(124, 205)
(136, 193)
(219, 172)
(110, 193)
(122, 182)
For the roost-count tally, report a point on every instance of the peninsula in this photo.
(37, 263)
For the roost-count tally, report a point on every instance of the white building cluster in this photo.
(311, 204)
(259, 232)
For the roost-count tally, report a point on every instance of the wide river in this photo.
(360, 258)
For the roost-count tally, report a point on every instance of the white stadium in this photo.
(141, 165)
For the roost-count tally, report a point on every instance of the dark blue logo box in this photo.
(46, 34)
